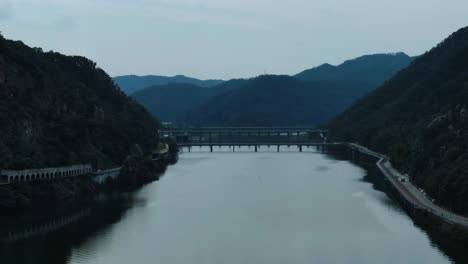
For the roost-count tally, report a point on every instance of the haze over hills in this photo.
(420, 119)
(172, 101)
(369, 71)
(133, 83)
(58, 110)
(273, 100)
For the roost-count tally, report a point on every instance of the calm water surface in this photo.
(226, 207)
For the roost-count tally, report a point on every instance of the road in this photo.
(410, 192)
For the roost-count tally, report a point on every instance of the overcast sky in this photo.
(229, 38)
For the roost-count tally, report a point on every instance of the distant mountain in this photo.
(369, 71)
(234, 102)
(171, 101)
(272, 100)
(58, 110)
(420, 119)
(132, 83)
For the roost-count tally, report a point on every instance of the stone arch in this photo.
(11, 178)
(22, 178)
(16, 178)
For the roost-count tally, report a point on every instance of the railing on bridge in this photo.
(246, 136)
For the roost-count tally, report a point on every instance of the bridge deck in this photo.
(253, 143)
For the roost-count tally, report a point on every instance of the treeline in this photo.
(308, 98)
(58, 110)
(420, 119)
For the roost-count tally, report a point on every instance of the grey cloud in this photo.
(6, 10)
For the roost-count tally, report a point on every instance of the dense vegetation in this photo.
(272, 100)
(420, 119)
(308, 98)
(58, 110)
(132, 83)
(366, 72)
(173, 101)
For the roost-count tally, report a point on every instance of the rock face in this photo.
(419, 118)
(58, 110)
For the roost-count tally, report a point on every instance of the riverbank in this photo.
(415, 199)
(450, 237)
(137, 170)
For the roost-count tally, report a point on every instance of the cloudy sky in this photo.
(228, 38)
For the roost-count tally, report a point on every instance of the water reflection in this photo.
(230, 208)
(48, 235)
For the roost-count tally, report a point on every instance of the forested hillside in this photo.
(58, 110)
(420, 119)
(171, 102)
(366, 72)
(272, 100)
(308, 98)
(133, 83)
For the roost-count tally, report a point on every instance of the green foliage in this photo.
(131, 84)
(58, 110)
(420, 119)
(272, 100)
(369, 71)
(308, 98)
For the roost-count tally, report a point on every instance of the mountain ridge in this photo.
(59, 110)
(134, 83)
(420, 119)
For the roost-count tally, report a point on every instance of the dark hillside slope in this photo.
(169, 101)
(133, 83)
(420, 118)
(272, 100)
(58, 110)
(365, 72)
(172, 101)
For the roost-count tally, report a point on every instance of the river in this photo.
(241, 207)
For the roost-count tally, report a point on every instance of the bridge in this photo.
(187, 137)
